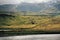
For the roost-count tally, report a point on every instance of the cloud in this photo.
(9, 1)
(19, 1)
(37, 1)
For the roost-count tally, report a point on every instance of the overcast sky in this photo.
(19, 1)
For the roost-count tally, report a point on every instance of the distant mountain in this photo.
(35, 7)
(39, 6)
(32, 6)
(8, 7)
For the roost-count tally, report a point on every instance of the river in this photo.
(33, 37)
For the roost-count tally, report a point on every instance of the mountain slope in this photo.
(35, 7)
(7, 7)
(32, 7)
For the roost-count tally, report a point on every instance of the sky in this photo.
(19, 1)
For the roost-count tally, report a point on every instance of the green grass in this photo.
(31, 23)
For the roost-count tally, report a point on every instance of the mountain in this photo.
(8, 7)
(39, 6)
(34, 7)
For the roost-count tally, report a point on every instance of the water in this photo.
(33, 37)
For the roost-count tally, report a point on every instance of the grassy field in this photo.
(31, 23)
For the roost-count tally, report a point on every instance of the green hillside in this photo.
(21, 21)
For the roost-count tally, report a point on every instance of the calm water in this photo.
(33, 37)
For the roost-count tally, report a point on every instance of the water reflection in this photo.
(33, 37)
